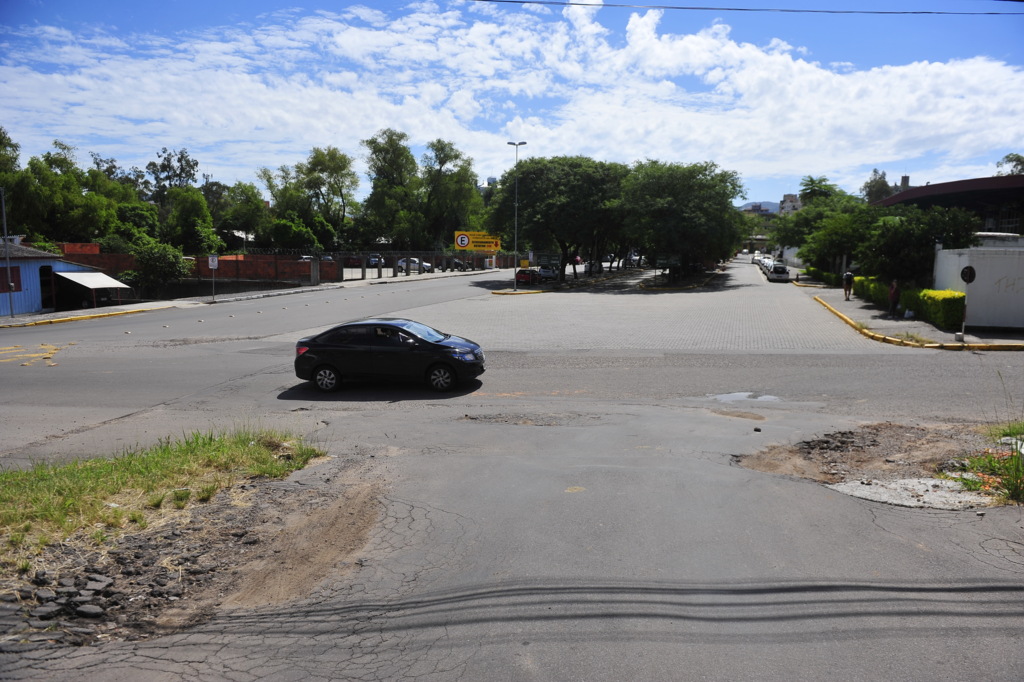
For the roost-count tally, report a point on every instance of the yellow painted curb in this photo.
(875, 336)
(76, 318)
(516, 293)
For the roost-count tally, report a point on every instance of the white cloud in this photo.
(245, 97)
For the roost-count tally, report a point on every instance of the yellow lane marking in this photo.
(27, 358)
(575, 489)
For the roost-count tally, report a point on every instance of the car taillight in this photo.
(299, 350)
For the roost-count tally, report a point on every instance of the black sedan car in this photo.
(388, 348)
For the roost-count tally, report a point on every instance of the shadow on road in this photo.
(376, 391)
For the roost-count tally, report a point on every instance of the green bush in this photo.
(944, 309)
(829, 278)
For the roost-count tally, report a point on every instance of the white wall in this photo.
(996, 297)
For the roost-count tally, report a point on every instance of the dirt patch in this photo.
(886, 462)
(259, 543)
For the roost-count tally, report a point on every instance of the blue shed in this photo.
(34, 281)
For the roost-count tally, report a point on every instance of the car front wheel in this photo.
(441, 378)
(326, 379)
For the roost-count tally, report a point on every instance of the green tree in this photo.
(901, 243)
(330, 183)
(565, 202)
(134, 177)
(815, 189)
(290, 232)
(686, 211)
(450, 198)
(136, 227)
(216, 195)
(876, 187)
(51, 200)
(247, 214)
(318, 193)
(1011, 164)
(9, 153)
(189, 225)
(825, 215)
(156, 265)
(451, 201)
(839, 235)
(391, 211)
(173, 168)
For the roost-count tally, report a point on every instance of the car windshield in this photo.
(423, 331)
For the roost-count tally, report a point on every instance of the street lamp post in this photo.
(515, 243)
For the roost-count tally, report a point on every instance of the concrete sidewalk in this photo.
(145, 306)
(874, 322)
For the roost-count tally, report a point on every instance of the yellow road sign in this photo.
(476, 241)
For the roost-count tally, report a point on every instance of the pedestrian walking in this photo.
(847, 284)
(894, 298)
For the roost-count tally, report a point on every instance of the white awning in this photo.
(93, 280)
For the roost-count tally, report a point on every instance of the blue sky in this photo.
(774, 96)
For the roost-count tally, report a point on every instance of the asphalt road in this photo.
(575, 514)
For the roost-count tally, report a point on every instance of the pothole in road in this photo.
(530, 419)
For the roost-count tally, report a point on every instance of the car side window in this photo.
(349, 336)
(338, 337)
(386, 337)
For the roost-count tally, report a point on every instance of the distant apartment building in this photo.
(757, 210)
(790, 204)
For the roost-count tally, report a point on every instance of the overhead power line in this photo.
(571, 3)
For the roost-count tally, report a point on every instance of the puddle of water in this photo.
(737, 397)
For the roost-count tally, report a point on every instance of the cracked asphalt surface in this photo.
(576, 514)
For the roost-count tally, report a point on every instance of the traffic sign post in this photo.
(213, 277)
(968, 275)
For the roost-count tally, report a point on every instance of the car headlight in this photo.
(464, 355)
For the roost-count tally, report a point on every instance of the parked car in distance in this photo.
(387, 348)
(527, 276)
(778, 273)
(375, 260)
(547, 272)
(414, 265)
(453, 264)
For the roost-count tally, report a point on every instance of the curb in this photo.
(76, 318)
(875, 336)
(227, 298)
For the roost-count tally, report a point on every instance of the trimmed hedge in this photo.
(829, 278)
(944, 309)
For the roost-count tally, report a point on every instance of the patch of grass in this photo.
(207, 491)
(914, 338)
(1014, 429)
(179, 497)
(99, 496)
(971, 483)
(138, 518)
(996, 471)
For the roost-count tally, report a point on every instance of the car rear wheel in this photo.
(326, 379)
(441, 378)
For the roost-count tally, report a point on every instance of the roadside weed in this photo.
(98, 497)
